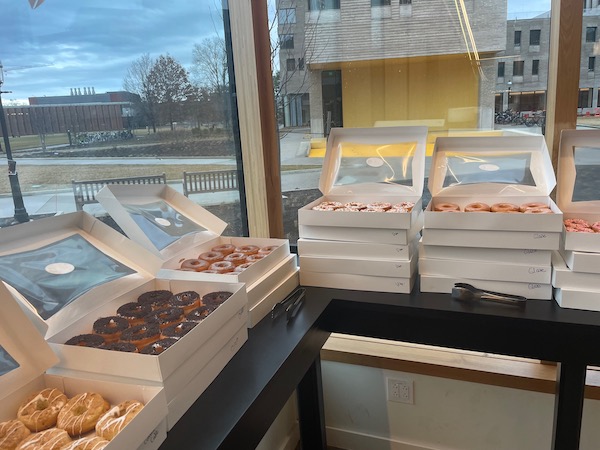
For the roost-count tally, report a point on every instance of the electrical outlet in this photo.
(400, 390)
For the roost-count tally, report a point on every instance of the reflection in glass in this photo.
(587, 182)
(7, 362)
(510, 168)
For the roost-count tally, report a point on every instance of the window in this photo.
(286, 41)
(518, 68)
(300, 63)
(501, 69)
(591, 63)
(405, 2)
(517, 38)
(535, 67)
(534, 37)
(286, 16)
(590, 34)
(380, 2)
(319, 5)
(290, 64)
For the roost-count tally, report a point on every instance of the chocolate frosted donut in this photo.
(215, 298)
(187, 301)
(134, 312)
(156, 299)
(86, 340)
(110, 328)
(198, 314)
(178, 330)
(120, 347)
(165, 316)
(141, 335)
(156, 348)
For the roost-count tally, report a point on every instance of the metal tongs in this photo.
(290, 305)
(467, 292)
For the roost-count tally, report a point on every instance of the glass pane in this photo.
(105, 91)
(588, 105)
(7, 362)
(587, 167)
(459, 68)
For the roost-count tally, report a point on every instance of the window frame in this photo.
(501, 73)
(518, 68)
(535, 37)
(591, 32)
(517, 42)
(323, 5)
(535, 67)
(286, 38)
(286, 17)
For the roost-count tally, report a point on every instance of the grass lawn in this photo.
(33, 141)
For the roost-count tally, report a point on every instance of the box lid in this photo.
(63, 267)
(578, 164)
(159, 218)
(385, 160)
(491, 166)
(24, 354)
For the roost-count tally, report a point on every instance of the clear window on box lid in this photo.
(161, 223)
(52, 276)
(587, 168)
(513, 168)
(7, 362)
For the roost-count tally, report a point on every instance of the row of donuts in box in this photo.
(226, 258)
(49, 420)
(581, 226)
(501, 207)
(402, 207)
(152, 323)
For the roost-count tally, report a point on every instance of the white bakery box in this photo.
(444, 284)
(492, 169)
(67, 271)
(579, 153)
(369, 165)
(575, 290)
(175, 228)
(25, 358)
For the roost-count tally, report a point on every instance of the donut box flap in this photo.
(159, 218)
(64, 267)
(579, 156)
(24, 354)
(175, 228)
(365, 165)
(492, 169)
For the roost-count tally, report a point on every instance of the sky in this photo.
(66, 44)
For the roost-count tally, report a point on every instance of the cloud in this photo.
(64, 44)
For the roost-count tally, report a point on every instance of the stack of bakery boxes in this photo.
(363, 233)
(576, 269)
(68, 271)
(509, 251)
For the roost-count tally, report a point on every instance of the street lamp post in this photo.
(20, 211)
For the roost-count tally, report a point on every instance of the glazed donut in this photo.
(504, 208)
(236, 258)
(120, 347)
(215, 298)
(243, 267)
(268, 249)
(156, 299)
(86, 340)
(197, 265)
(255, 257)
(446, 207)
(165, 317)
(178, 330)
(40, 410)
(247, 249)
(544, 210)
(224, 249)
(477, 207)
(211, 257)
(187, 301)
(533, 205)
(81, 413)
(117, 418)
(223, 266)
(87, 443)
(198, 315)
(156, 348)
(110, 328)
(51, 439)
(12, 433)
(134, 312)
(141, 335)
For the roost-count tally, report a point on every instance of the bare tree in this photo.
(137, 82)
(210, 63)
(169, 87)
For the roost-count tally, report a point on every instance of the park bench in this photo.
(213, 181)
(85, 191)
